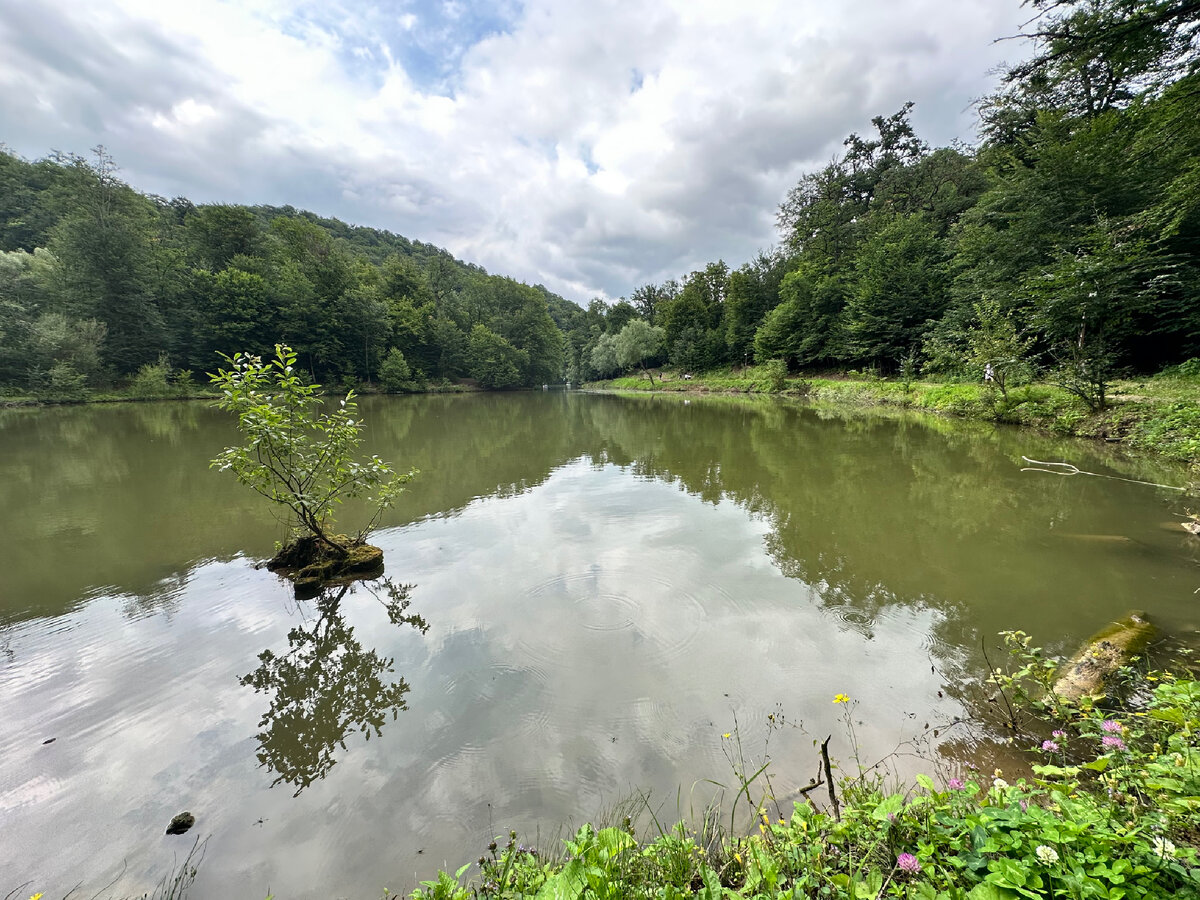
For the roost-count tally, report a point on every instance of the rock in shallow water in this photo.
(1088, 671)
(181, 823)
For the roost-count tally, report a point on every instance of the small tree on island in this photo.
(301, 457)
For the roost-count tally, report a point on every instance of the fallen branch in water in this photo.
(1065, 468)
(837, 808)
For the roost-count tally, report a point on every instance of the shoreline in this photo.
(1157, 414)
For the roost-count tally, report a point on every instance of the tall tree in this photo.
(104, 250)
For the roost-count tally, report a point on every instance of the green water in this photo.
(606, 585)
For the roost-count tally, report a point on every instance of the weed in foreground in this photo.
(1111, 812)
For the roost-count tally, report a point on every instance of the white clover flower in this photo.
(1047, 855)
(1163, 847)
(999, 784)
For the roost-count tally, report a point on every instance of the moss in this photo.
(311, 564)
(1089, 671)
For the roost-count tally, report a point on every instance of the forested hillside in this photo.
(98, 281)
(1067, 241)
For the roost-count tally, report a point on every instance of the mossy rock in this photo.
(1088, 672)
(311, 564)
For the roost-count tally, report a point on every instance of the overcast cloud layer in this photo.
(591, 147)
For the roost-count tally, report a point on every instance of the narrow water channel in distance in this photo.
(584, 594)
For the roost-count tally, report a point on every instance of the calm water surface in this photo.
(607, 586)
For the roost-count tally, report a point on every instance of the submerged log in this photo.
(1118, 539)
(1088, 672)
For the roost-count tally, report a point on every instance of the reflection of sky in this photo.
(595, 635)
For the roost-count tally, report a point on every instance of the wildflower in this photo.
(1111, 726)
(999, 784)
(1050, 745)
(1112, 742)
(906, 862)
(1059, 733)
(955, 784)
(841, 698)
(1046, 855)
(1163, 847)
(726, 734)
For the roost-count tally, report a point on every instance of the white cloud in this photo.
(591, 147)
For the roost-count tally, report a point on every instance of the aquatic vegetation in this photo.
(1113, 817)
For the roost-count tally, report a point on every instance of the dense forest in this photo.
(99, 282)
(1066, 242)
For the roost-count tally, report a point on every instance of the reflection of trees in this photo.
(877, 510)
(326, 686)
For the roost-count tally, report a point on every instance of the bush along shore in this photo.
(1112, 811)
(158, 381)
(1160, 413)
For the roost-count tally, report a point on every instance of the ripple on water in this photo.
(665, 615)
(850, 616)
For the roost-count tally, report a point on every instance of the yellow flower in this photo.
(37, 896)
(726, 734)
(841, 698)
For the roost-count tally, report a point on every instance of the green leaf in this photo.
(989, 891)
(890, 806)
(1172, 715)
(926, 782)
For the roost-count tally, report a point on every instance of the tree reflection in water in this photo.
(326, 686)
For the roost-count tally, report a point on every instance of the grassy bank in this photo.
(1112, 811)
(135, 393)
(1159, 413)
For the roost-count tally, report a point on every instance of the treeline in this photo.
(102, 285)
(1068, 241)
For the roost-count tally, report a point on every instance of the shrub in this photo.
(776, 372)
(61, 384)
(153, 380)
(295, 454)
(394, 374)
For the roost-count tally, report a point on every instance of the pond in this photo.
(585, 594)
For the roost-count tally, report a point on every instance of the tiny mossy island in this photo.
(304, 458)
(312, 564)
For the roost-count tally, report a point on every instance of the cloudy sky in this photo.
(591, 147)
